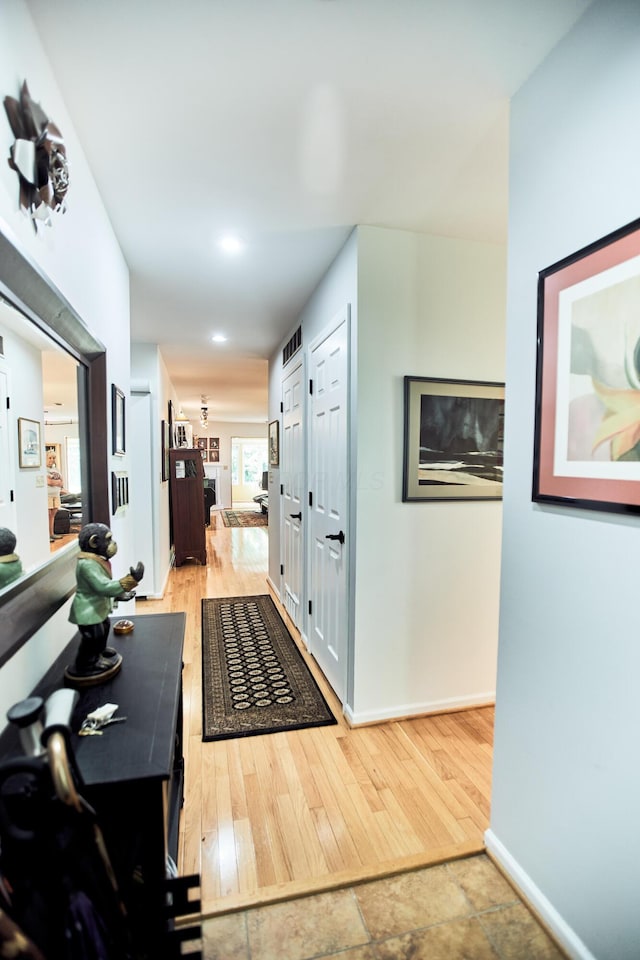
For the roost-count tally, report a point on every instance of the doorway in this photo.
(248, 463)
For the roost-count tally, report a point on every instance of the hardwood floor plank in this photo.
(246, 856)
(236, 780)
(227, 853)
(398, 824)
(208, 787)
(281, 815)
(190, 831)
(303, 773)
(266, 873)
(269, 812)
(331, 807)
(333, 854)
(210, 876)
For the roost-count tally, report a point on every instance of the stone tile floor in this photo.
(460, 910)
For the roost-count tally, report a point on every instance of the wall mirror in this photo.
(45, 338)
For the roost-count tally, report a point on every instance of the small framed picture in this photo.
(118, 447)
(201, 443)
(274, 443)
(29, 445)
(214, 443)
(214, 456)
(119, 491)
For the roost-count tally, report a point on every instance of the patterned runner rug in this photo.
(244, 518)
(254, 679)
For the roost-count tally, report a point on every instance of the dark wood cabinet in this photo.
(186, 485)
(132, 775)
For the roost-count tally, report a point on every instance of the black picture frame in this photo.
(164, 457)
(274, 443)
(118, 430)
(587, 435)
(119, 491)
(171, 416)
(29, 444)
(453, 439)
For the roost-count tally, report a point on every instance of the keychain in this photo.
(94, 722)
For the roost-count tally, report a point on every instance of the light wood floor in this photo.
(272, 817)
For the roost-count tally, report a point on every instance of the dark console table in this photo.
(133, 773)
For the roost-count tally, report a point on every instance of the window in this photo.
(248, 461)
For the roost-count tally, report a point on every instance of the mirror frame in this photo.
(27, 605)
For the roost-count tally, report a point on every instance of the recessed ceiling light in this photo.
(219, 338)
(231, 244)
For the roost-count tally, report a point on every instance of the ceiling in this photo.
(285, 122)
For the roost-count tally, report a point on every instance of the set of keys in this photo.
(95, 722)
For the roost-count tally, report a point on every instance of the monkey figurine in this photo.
(10, 563)
(96, 592)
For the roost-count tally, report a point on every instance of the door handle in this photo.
(296, 516)
(335, 536)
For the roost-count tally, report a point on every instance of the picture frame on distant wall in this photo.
(453, 439)
(274, 443)
(214, 456)
(587, 415)
(118, 438)
(29, 444)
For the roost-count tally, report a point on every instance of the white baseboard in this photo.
(273, 587)
(533, 896)
(405, 711)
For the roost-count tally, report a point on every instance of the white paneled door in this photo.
(291, 478)
(328, 485)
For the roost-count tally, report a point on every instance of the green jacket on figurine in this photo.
(95, 589)
(10, 569)
(10, 562)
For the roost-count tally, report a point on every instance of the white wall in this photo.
(566, 783)
(427, 574)
(79, 253)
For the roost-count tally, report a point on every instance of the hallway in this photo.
(365, 843)
(278, 816)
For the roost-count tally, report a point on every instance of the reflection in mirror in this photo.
(62, 447)
(40, 382)
(29, 602)
(10, 562)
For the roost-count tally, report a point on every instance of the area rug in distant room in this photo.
(254, 679)
(244, 518)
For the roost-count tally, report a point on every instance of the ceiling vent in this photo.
(292, 346)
